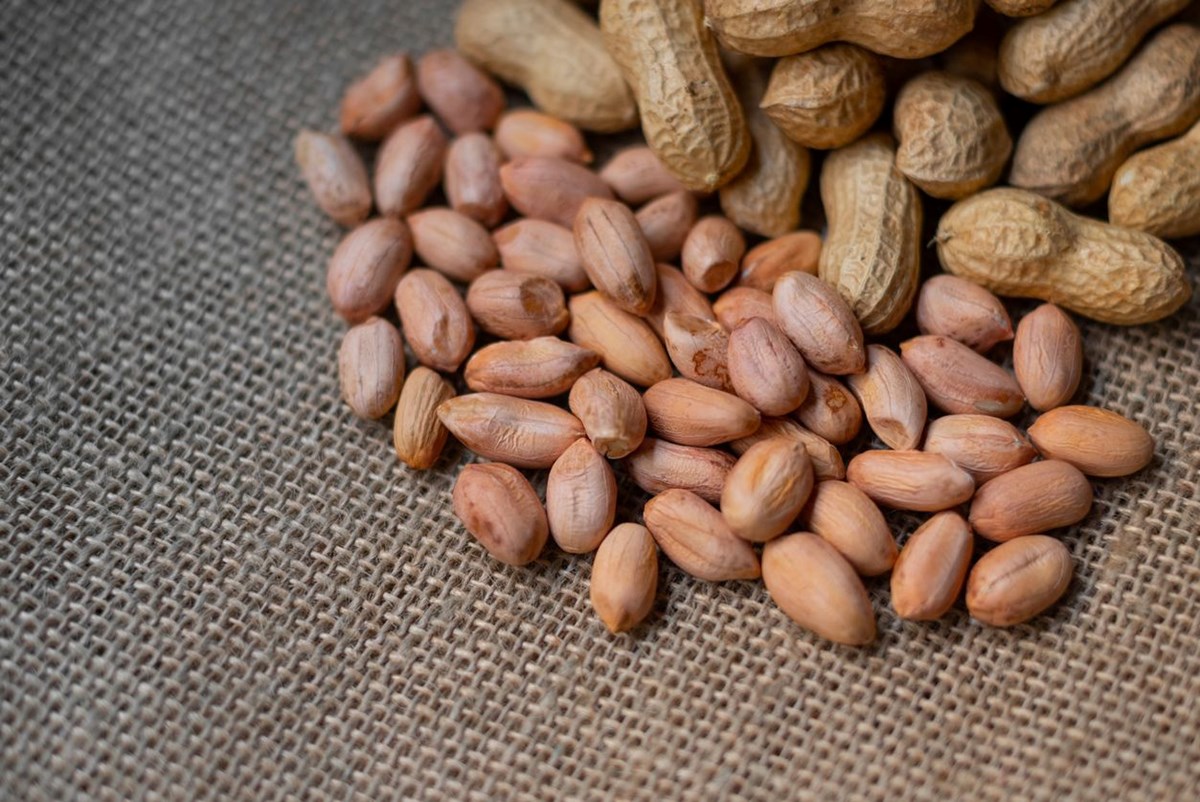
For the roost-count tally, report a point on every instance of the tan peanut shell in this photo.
(615, 254)
(765, 196)
(1017, 580)
(914, 29)
(472, 179)
(766, 489)
(982, 445)
(817, 588)
(581, 498)
(1070, 151)
(409, 165)
(931, 568)
(517, 306)
(738, 304)
(525, 132)
(552, 50)
(1158, 189)
(675, 295)
(611, 412)
(461, 95)
(696, 538)
(542, 367)
(1048, 357)
(960, 381)
(541, 248)
(828, 97)
(657, 465)
(1098, 442)
(975, 56)
(1034, 498)
(1020, 8)
(688, 413)
(847, 519)
(952, 137)
(872, 251)
(712, 253)
(765, 368)
(452, 243)
(891, 398)
(1018, 243)
(636, 175)
(766, 262)
(626, 344)
(816, 318)
(910, 480)
(1075, 45)
(418, 433)
(527, 434)
(382, 99)
(371, 368)
(690, 115)
(830, 409)
(550, 189)
(434, 319)
(366, 267)
(964, 311)
(335, 176)
(499, 507)
(624, 577)
(826, 460)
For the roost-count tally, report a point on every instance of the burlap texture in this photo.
(216, 584)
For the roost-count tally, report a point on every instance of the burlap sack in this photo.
(216, 584)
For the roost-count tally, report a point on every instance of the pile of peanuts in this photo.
(667, 317)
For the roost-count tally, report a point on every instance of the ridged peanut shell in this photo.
(691, 117)
(827, 97)
(872, 250)
(1018, 243)
(1158, 189)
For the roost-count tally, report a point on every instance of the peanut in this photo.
(371, 368)
(982, 445)
(665, 223)
(527, 434)
(335, 175)
(499, 507)
(418, 434)
(460, 94)
(657, 465)
(452, 244)
(766, 262)
(738, 304)
(828, 97)
(818, 589)
(1017, 243)
(1034, 498)
(525, 132)
(517, 306)
(766, 489)
(550, 189)
(675, 295)
(781, 27)
(366, 267)
(472, 179)
(615, 254)
(872, 251)
(963, 311)
(690, 414)
(1020, 8)
(712, 252)
(552, 50)
(830, 410)
(958, 380)
(382, 99)
(624, 577)
(696, 538)
(952, 138)
(847, 519)
(539, 368)
(626, 344)
(435, 320)
(891, 398)
(409, 165)
(636, 175)
(698, 347)
(544, 249)
(611, 412)
(910, 480)
(690, 115)
(1048, 357)
(1096, 441)
(1070, 151)
(931, 568)
(581, 498)
(1074, 46)
(765, 368)
(1017, 580)
(1158, 190)
(826, 461)
(819, 322)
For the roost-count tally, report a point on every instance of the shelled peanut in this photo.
(626, 321)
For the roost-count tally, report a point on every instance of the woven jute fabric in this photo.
(216, 584)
